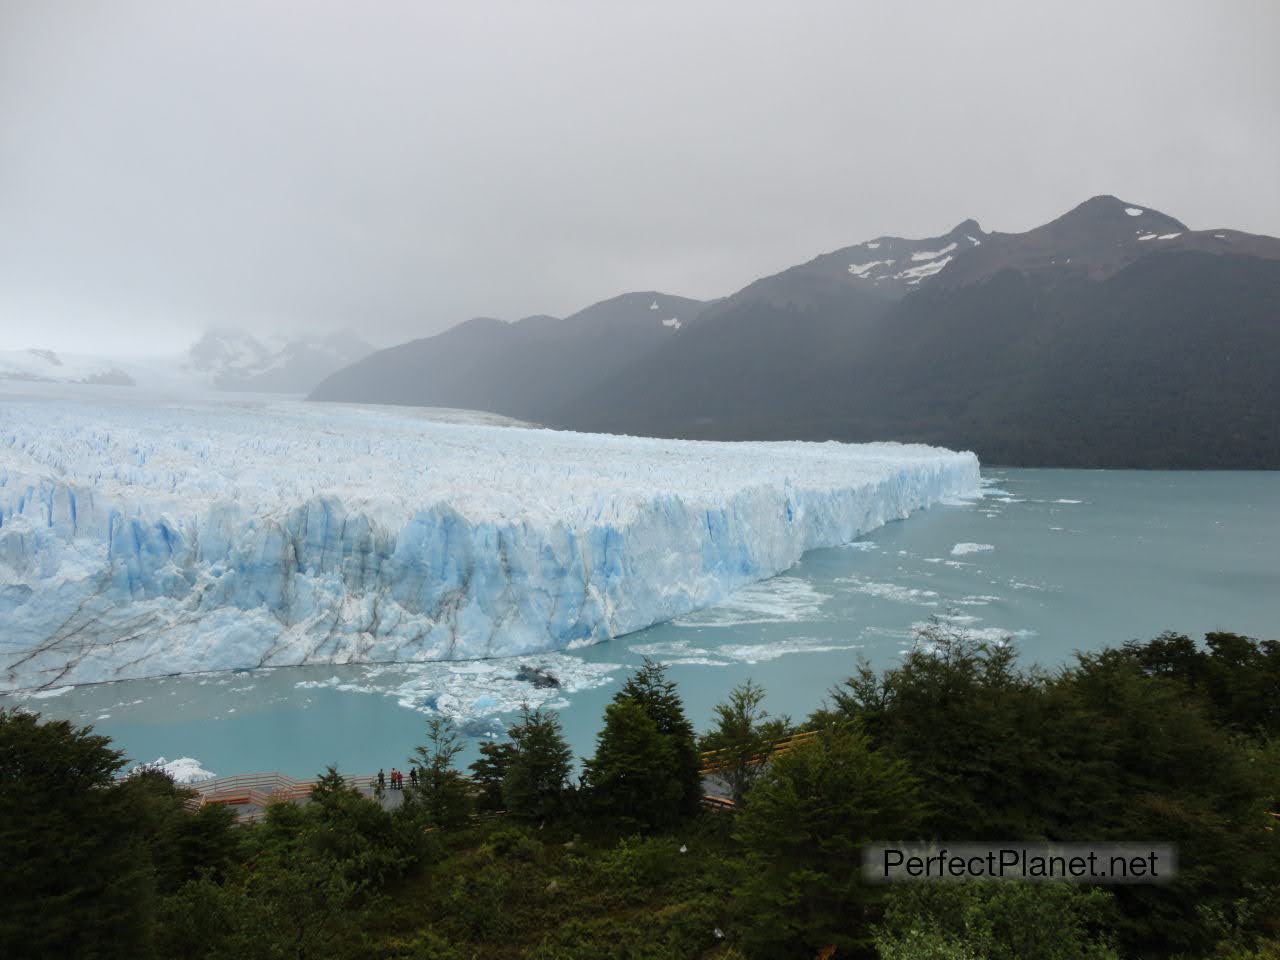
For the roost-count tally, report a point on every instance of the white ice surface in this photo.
(473, 692)
(960, 549)
(148, 538)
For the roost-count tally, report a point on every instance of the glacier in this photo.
(145, 535)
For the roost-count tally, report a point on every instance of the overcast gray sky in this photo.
(396, 167)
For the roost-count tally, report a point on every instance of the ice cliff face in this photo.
(139, 540)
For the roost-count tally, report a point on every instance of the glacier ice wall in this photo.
(148, 538)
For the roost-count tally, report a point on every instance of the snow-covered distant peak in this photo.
(233, 359)
(38, 365)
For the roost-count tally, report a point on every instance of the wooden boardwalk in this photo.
(713, 761)
(249, 794)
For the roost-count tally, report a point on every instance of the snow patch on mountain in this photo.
(914, 275)
(933, 254)
(860, 269)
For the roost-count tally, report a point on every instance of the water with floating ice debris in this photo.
(1056, 560)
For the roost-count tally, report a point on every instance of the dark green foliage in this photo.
(741, 736)
(183, 843)
(77, 878)
(1155, 765)
(973, 729)
(305, 874)
(488, 772)
(1106, 750)
(644, 774)
(516, 843)
(1237, 677)
(1161, 741)
(802, 831)
(331, 789)
(442, 796)
(634, 777)
(657, 696)
(993, 921)
(536, 784)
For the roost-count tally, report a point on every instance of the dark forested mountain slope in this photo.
(527, 369)
(1112, 336)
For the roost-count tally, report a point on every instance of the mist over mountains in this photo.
(221, 359)
(1113, 336)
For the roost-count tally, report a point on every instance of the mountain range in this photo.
(232, 359)
(1113, 336)
(222, 359)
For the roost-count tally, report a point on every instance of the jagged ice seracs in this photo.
(143, 536)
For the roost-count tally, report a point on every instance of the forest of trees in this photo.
(1167, 740)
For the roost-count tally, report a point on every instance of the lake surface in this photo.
(1058, 560)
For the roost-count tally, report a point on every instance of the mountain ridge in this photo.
(1057, 346)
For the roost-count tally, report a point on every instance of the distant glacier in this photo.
(148, 537)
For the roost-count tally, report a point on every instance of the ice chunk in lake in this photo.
(140, 539)
(182, 770)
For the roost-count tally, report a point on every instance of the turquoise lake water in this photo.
(1059, 560)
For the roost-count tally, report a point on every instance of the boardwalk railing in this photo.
(259, 789)
(713, 761)
(252, 792)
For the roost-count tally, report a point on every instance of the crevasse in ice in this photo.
(140, 538)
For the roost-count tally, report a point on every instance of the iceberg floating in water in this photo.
(184, 770)
(140, 539)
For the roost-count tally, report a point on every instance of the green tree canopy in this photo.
(803, 828)
(633, 779)
(490, 770)
(442, 795)
(656, 694)
(77, 878)
(740, 738)
(536, 784)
